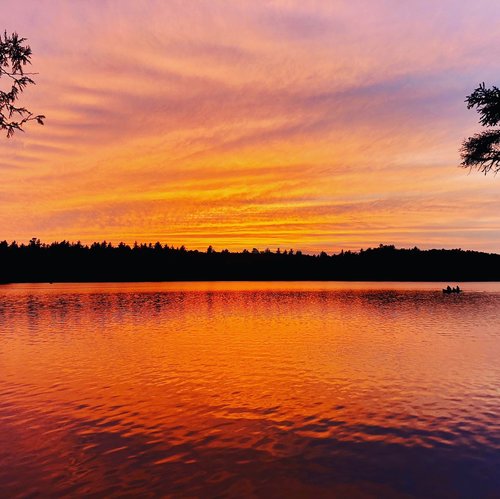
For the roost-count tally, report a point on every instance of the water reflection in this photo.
(301, 389)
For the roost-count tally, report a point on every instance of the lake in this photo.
(296, 389)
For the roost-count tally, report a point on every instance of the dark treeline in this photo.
(70, 262)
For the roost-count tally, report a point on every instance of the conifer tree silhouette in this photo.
(482, 150)
(14, 56)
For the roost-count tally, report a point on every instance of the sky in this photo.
(312, 125)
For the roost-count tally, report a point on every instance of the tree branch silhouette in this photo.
(482, 150)
(14, 56)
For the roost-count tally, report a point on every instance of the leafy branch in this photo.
(15, 55)
(482, 150)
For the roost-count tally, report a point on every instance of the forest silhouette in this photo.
(103, 261)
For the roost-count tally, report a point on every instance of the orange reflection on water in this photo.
(248, 388)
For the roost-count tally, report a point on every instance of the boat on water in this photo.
(449, 290)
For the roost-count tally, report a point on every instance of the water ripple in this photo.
(260, 389)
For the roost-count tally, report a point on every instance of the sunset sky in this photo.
(313, 125)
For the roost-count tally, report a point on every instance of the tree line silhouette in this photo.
(103, 261)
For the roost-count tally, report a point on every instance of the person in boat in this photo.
(448, 289)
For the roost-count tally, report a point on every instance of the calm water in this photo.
(250, 389)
